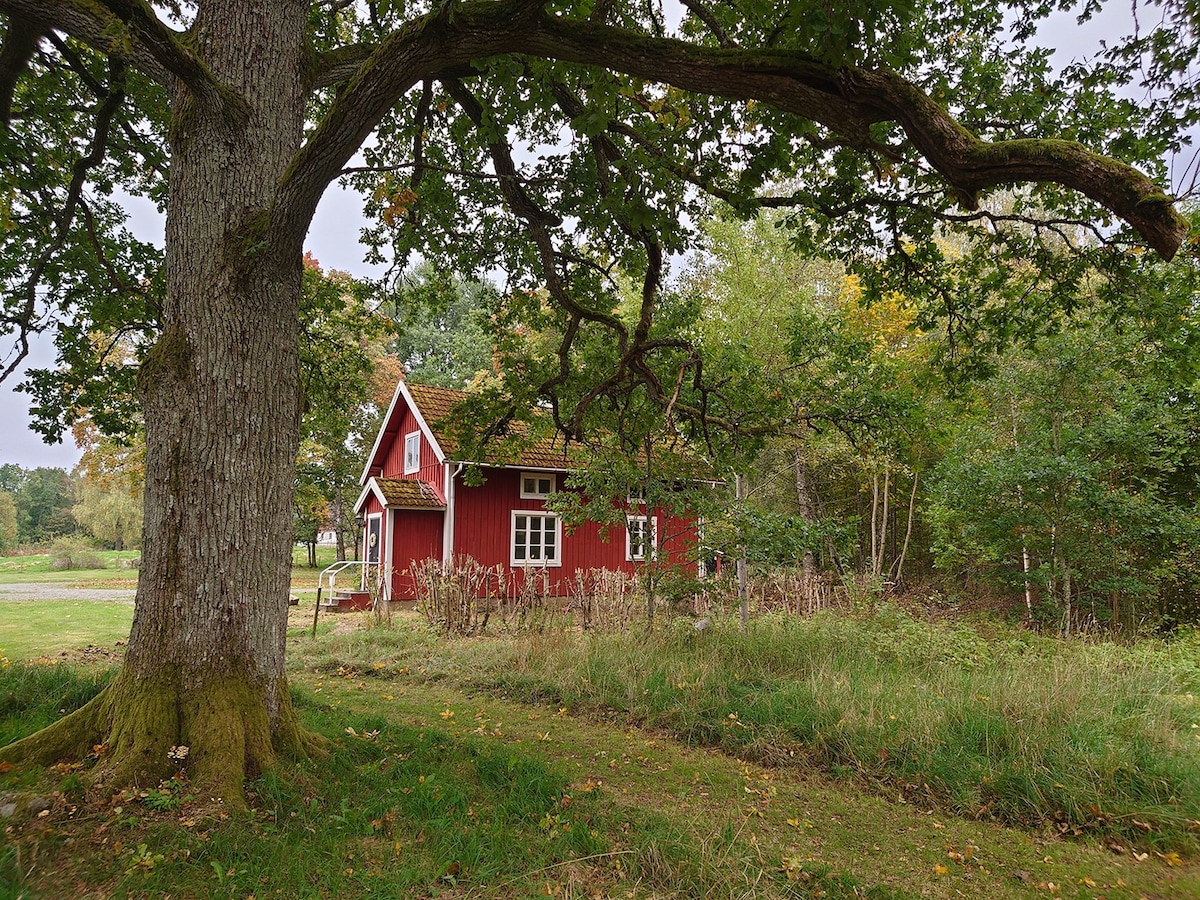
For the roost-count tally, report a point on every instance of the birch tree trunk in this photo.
(804, 500)
(874, 520)
(912, 503)
(883, 520)
(1025, 562)
(739, 487)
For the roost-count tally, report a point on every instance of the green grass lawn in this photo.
(58, 629)
(325, 557)
(663, 765)
(65, 628)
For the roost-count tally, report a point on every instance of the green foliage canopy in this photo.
(567, 142)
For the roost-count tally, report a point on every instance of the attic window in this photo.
(412, 452)
(536, 485)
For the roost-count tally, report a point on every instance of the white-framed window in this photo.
(641, 537)
(537, 485)
(536, 539)
(412, 452)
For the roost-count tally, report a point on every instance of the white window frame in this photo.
(649, 523)
(536, 495)
(512, 539)
(412, 452)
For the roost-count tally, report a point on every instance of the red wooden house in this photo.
(417, 506)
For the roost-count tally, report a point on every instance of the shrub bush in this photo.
(69, 554)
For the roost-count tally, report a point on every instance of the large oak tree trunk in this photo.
(220, 391)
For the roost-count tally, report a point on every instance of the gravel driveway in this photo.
(60, 592)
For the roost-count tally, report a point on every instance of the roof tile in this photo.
(409, 493)
(437, 404)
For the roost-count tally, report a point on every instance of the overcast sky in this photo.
(333, 240)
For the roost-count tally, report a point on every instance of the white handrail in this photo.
(333, 571)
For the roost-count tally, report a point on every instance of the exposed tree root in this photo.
(138, 728)
(71, 737)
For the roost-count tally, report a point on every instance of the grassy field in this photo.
(38, 569)
(680, 764)
(71, 630)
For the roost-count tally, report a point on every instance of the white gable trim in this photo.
(425, 429)
(401, 391)
(371, 488)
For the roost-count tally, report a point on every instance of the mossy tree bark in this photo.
(221, 399)
(205, 660)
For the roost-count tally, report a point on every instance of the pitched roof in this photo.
(400, 493)
(436, 406)
(435, 411)
(408, 493)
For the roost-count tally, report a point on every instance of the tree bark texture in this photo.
(220, 392)
(222, 400)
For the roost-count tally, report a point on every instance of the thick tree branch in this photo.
(128, 30)
(337, 65)
(845, 101)
(848, 101)
(20, 43)
(89, 23)
(424, 48)
(166, 47)
(971, 165)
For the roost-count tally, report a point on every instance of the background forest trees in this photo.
(1060, 472)
(42, 500)
(1058, 464)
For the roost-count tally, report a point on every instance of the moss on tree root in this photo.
(140, 724)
